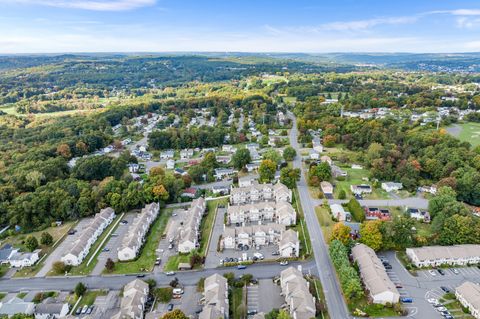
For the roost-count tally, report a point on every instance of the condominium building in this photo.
(216, 298)
(432, 256)
(295, 289)
(260, 192)
(135, 295)
(375, 279)
(468, 294)
(280, 212)
(189, 231)
(137, 231)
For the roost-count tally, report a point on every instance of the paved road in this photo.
(336, 306)
(416, 202)
(259, 271)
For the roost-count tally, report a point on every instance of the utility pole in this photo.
(438, 122)
(341, 111)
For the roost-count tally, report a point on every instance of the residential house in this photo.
(327, 188)
(295, 289)
(79, 248)
(337, 171)
(361, 189)
(229, 148)
(26, 259)
(215, 293)
(432, 189)
(280, 212)
(374, 213)
(165, 155)
(186, 153)
(189, 192)
(317, 145)
(418, 214)
(221, 173)
(375, 279)
(468, 294)
(16, 306)
(313, 155)
(220, 189)
(248, 180)
(339, 213)
(137, 231)
(433, 256)
(170, 164)
(252, 166)
(223, 159)
(5, 252)
(135, 295)
(250, 236)
(289, 245)
(391, 186)
(188, 233)
(50, 309)
(180, 172)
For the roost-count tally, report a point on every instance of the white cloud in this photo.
(465, 12)
(367, 24)
(95, 5)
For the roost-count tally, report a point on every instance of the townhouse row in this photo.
(260, 192)
(280, 212)
(188, 233)
(296, 290)
(432, 256)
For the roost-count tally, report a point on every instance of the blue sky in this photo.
(38, 26)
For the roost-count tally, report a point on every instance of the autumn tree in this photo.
(175, 314)
(341, 232)
(267, 170)
(64, 151)
(371, 235)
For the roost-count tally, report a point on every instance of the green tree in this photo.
(371, 235)
(241, 158)
(342, 194)
(289, 176)
(282, 314)
(356, 210)
(289, 153)
(31, 243)
(267, 170)
(80, 289)
(109, 265)
(273, 155)
(46, 239)
(320, 172)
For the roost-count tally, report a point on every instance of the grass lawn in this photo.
(319, 294)
(470, 133)
(354, 177)
(326, 222)
(173, 261)
(146, 260)
(456, 309)
(289, 99)
(373, 310)
(3, 270)
(2, 295)
(236, 300)
(21, 295)
(208, 220)
(83, 268)
(301, 228)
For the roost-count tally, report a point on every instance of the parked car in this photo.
(72, 232)
(432, 301)
(84, 310)
(170, 246)
(448, 316)
(432, 272)
(446, 289)
(455, 271)
(170, 273)
(158, 262)
(170, 307)
(89, 310)
(240, 267)
(276, 253)
(78, 311)
(406, 300)
(398, 286)
(388, 267)
(441, 272)
(441, 309)
(140, 275)
(124, 222)
(284, 263)
(178, 291)
(105, 249)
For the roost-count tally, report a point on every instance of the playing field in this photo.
(469, 132)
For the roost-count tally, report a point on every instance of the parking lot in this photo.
(63, 247)
(264, 297)
(426, 285)
(214, 257)
(113, 244)
(171, 231)
(188, 303)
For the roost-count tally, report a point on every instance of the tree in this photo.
(459, 229)
(267, 170)
(160, 192)
(319, 173)
(163, 294)
(342, 194)
(46, 239)
(196, 172)
(59, 267)
(64, 151)
(289, 153)
(241, 158)
(371, 235)
(157, 171)
(175, 314)
(403, 232)
(273, 155)
(356, 210)
(341, 232)
(80, 289)
(31, 243)
(109, 265)
(152, 283)
(289, 176)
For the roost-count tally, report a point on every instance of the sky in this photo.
(56, 26)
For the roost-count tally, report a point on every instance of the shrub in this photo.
(356, 210)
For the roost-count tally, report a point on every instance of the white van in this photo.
(178, 291)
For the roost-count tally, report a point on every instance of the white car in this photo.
(432, 272)
(441, 309)
(433, 301)
(284, 263)
(455, 271)
(170, 273)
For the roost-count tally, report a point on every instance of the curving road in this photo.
(337, 308)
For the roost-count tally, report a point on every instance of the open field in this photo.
(466, 132)
(326, 222)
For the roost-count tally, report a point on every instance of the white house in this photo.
(229, 148)
(433, 256)
(250, 236)
(170, 164)
(327, 188)
(280, 212)
(468, 294)
(260, 192)
(391, 186)
(289, 245)
(27, 259)
(79, 248)
(167, 154)
(221, 173)
(248, 180)
(137, 230)
(51, 310)
(381, 289)
(313, 155)
(317, 145)
(186, 153)
(16, 306)
(215, 294)
(339, 213)
(135, 295)
(361, 189)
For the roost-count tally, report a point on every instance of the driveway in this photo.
(63, 247)
(113, 244)
(264, 297)
(213, 257)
